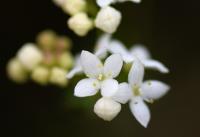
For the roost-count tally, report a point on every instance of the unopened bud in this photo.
(63, 43)
(65, 60)
(30, 56)
(57, 77)
(40, 75)
(108, 19)
(16, 71)
(107, 109)
(80, 23)
(73, 7)
(46, 40)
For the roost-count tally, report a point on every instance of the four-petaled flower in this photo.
(148, 91)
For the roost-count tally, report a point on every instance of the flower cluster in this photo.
(45, 61)
(102, 77)
(83, 18)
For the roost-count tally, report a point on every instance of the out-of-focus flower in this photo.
(46, 40)
(40, 75)
(30, 56)
(139, 52)
(100, 77)
(143, 91)
(80, 23)
(16, 71)
(107, 109)
(73, 7)
(57, 76)
(59, 2)
(63, 43)
(103, 3)
(65, 60)
(108, 19)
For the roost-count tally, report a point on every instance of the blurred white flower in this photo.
(103, 3)
(73, 7)
(138, 51)
(142, 91)
(80, 23)
(108, 19)
(30, 56)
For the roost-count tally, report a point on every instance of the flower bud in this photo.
(73, 7)
(16, 71)
(108, 19)
(107, 109)
(40, 75)
(30, 56)
(63, 43)
(80, 23)
(46, 40)
(57, 77)
(59, 2)
(65, 60)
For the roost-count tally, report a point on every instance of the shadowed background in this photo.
(170, 29)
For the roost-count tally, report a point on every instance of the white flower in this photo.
(30, 56)
(73, 7)
(142, 91)
(101, 77)
(103, 3)
(137, 51)
(100, 51)
(108, 19)
(80, 23)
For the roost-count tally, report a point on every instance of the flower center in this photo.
(100, 77)
(136, 90)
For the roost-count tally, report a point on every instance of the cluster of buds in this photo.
(107, 18)
(46, 61)
(102, 77)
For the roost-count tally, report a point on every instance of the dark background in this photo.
(170, 29)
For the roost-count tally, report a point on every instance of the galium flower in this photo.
(108, 19)
(140, 52)
(100, 77)
(80, 23)
(148, 91)
(103, 3)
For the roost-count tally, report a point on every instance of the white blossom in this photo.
(100, 77)
(108, 19)
(138, 51)
(80, 23)
(142, 91)
(30, 56)
(103, 3)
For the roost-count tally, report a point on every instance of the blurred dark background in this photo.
(170, 29)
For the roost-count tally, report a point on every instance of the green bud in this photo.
(65, 60)
(57, 77)
(46, 40)
(40, 75)
(16, 71)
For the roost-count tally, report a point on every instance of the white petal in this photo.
(113, 66)
(109, 87)
(117, 47)
(102, 46)
(153, 89)
(136, 74)
(103, 3)
(140, 110)
(87, 87)
(124, 93)
(91, 65)
(153, 64)
(107, 109)
(140, 52)
(74, 71)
